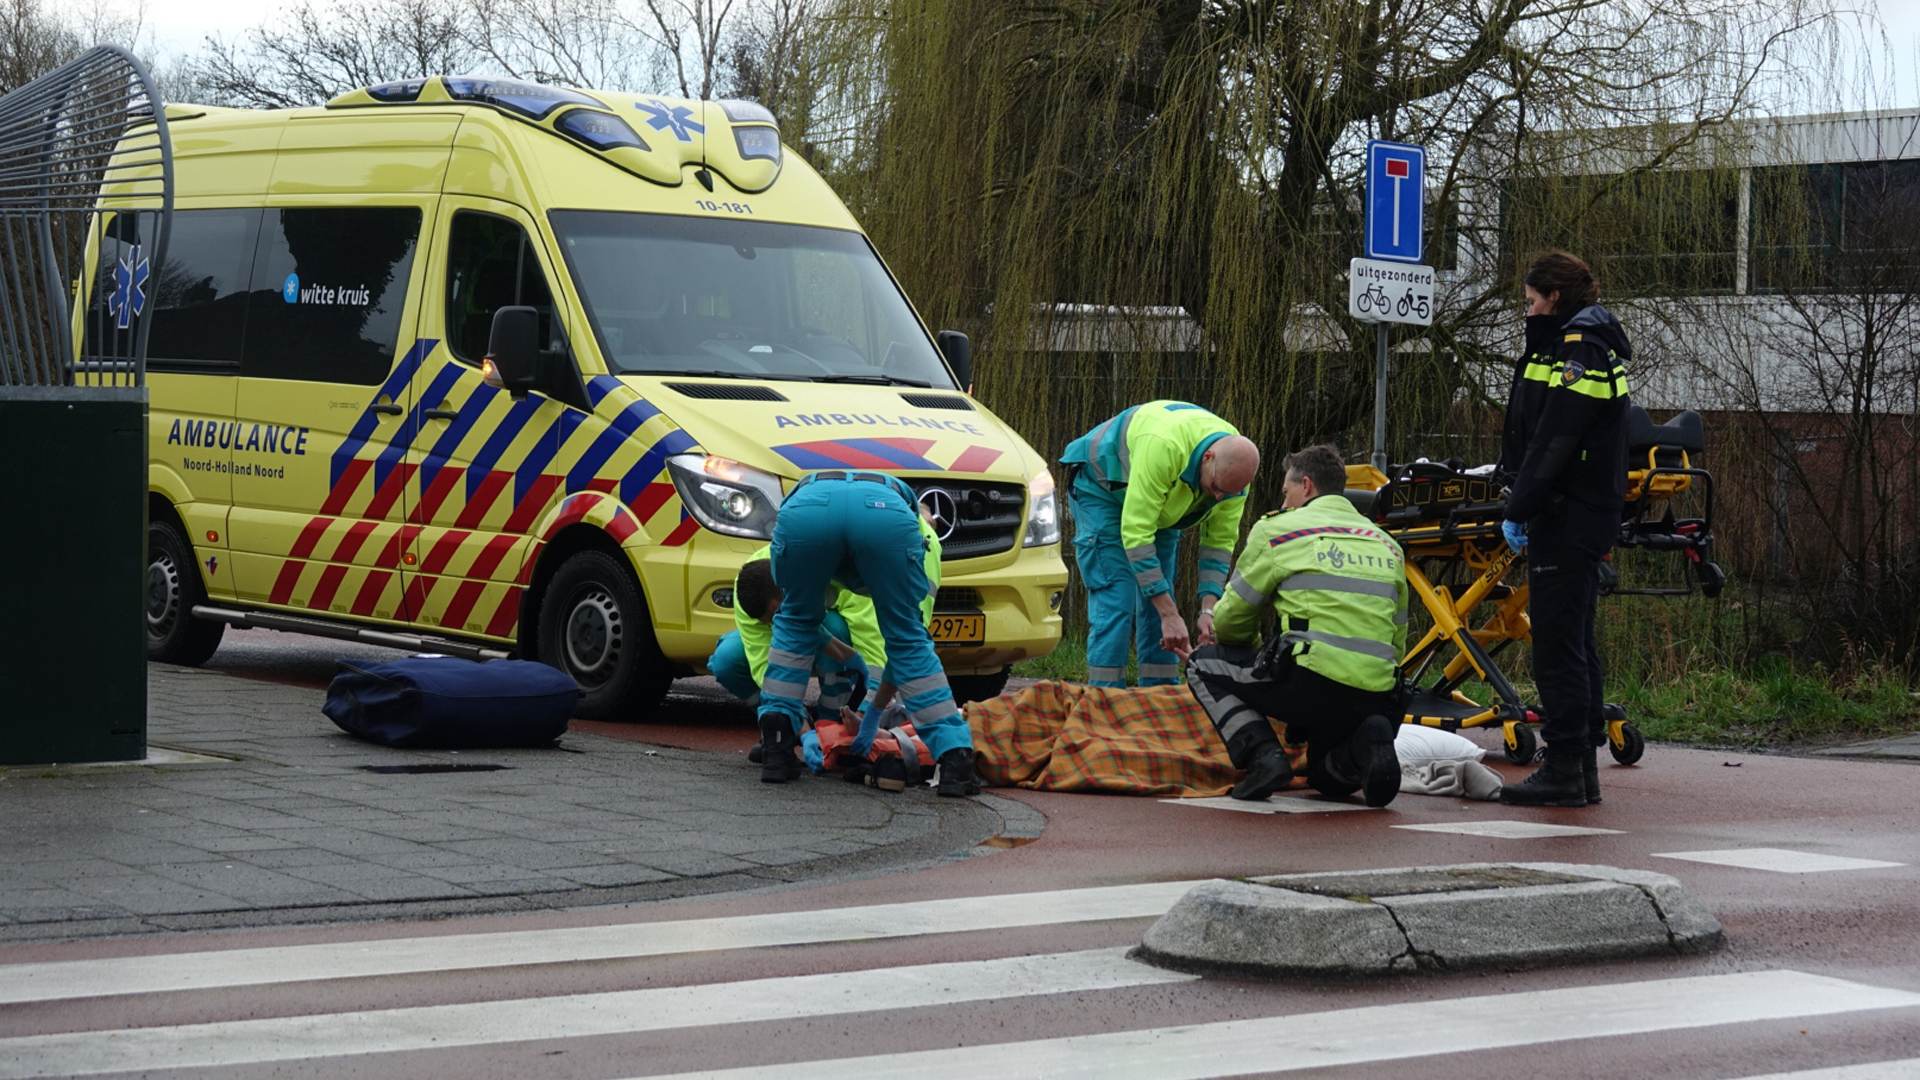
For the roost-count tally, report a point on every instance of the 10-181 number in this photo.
(727, 207)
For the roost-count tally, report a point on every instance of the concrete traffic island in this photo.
(1436, 919)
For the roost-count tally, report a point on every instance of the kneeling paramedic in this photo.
(850, 646)
(861, 530)
(1338, 587)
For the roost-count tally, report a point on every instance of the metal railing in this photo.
(86, 199)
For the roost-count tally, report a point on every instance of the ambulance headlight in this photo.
(726, 496)
(1043, 512)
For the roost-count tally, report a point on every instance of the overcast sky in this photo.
(179, 26)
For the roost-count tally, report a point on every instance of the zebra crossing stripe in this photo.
(59, 980)
(572, 1016)
(1361, 1036)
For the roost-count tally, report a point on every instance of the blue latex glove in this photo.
(869, 727)
(1516, 535)
(810, 751)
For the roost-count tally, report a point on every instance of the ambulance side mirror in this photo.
(959, 353)
(513, 350)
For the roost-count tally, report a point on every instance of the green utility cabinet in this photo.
(73, 558)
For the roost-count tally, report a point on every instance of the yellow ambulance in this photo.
(495, 367)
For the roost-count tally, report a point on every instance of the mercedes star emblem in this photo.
(943, 509)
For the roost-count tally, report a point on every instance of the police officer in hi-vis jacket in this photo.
(1338, 588)
(1565, 447)
(1136, 482)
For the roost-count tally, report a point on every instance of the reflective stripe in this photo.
(1126, 455)
(1106, 674)
(1244, 590)
(1340, 583)
(1229, 714)
(1400, 617)
(935, 712)
(794, 660)
(1093, 451)
(781, 688)
(1219, 555)
(1159, 671)
(1210, 576)
(1142, 551)
(875, 677)
(1538, 369)
(1220, 668)
(1379, 650)
(1149, 578)
(925, 684)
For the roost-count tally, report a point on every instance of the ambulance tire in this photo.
(978, 687)
(174, 587)
(594, 626)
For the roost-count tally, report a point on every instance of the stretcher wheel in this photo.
(1521, 750)
(1631, 746)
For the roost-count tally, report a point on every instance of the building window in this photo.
(1847, 226)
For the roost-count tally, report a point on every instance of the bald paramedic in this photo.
(861, 531)
(1337, 586)
(1135, 483)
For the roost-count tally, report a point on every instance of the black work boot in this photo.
(1557, 782)
(1590, 774)
(777, 745)
(1268, 772)
(1377, 762)
(956, 774)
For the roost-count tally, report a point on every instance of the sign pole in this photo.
(1380, 401)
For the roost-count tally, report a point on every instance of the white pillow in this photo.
(1417, 744)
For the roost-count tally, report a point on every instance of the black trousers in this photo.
(1309, 703)
(1563, 579)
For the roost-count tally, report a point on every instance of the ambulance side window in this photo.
(490, 265)
(329, 286)
(196, 299)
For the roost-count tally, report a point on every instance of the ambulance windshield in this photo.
(674, 295)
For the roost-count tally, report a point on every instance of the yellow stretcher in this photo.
(1448, 523)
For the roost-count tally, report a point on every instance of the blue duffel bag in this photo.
(443, 702)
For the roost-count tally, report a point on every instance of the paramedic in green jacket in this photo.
(850, 635)
(1134, 484)
(1338, 588)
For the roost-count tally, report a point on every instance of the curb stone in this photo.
(1434, 919)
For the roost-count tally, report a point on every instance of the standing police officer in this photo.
(1135, 482)
(862, 530)
(1338, 586)
(1565, 447)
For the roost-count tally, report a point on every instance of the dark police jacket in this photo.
(1566, 426)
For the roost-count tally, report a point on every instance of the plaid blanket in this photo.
(1062, 736)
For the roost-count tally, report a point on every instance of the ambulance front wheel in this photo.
(594, 626)
(174, 636)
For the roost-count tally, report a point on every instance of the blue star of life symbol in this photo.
(678, 118)
(129, 288)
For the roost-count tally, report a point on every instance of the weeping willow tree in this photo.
(1123, 199)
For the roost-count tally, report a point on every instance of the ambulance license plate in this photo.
(959, 628)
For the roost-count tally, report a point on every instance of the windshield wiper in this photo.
(716, 374)
(873, 380)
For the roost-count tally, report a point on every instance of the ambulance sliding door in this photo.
(485, 464)
(325, 410)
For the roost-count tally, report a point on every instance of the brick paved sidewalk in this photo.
(287, 825)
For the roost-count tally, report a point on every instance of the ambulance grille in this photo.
(726, 392)
(978, 517)
(957, 599)
(938, 401)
